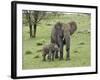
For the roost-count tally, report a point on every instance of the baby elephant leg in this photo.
(56, 54)
(49, 56)
(44, 57)
(52, 56)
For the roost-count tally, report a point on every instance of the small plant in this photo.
(28, 52)
(37, 56)
(75, 51)
(40, 42)
(48, 24)
(81, 43)
(40, 50)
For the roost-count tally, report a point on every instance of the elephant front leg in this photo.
(60, 45)
(61, 51)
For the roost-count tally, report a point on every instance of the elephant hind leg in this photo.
(68, 54)
(67, 39)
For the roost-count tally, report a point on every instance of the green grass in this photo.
(80, 44)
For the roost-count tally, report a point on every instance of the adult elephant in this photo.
(60, 35)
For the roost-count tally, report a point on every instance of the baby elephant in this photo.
(50, 51)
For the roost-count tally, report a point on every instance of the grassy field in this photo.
(80, 43)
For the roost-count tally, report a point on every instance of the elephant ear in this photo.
(73, 27)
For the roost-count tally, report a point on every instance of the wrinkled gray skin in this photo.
(49, 51)
(60, 35)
